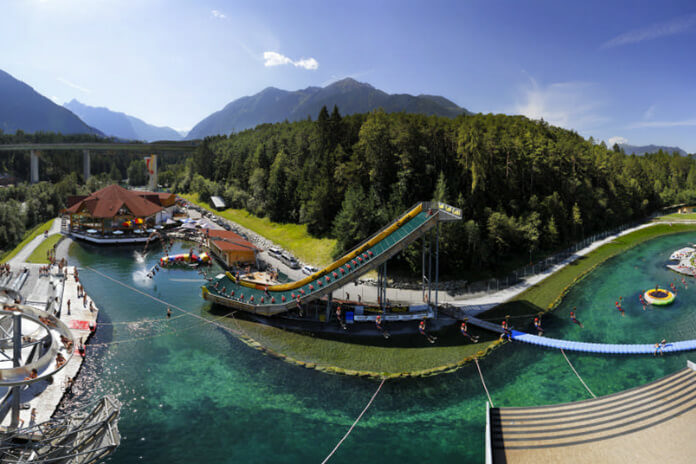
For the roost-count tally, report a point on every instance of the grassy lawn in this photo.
(292, 237)
(336, 356)
(545, 295)
(677, 217)
(38, 256)
(28, 237)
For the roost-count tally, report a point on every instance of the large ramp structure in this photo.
(229, 291)
(655, 422)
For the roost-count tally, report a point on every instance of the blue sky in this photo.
(606, 69)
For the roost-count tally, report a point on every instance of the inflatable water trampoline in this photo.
(659, 297)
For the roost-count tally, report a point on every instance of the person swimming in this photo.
(574, 319)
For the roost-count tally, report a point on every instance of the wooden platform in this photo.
(652, 423)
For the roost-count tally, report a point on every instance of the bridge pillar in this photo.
(34, 171)
(86, 165)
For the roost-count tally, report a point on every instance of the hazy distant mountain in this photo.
(21, 107)
(630, 149)
(121, 125)
(275, 105)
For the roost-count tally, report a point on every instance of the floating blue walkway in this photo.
(585, 347)
(608, 348)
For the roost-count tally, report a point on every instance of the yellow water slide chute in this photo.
(336, 264)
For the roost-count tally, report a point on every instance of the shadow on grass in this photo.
(405, 335)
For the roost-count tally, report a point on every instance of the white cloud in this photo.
(654, 31)
(572, 105)
(617, 139)
(276, 59)
(218, 14)
(648, 124)
(74, 86)
(307, 63)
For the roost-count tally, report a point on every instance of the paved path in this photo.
(39, 291)
(29, 248)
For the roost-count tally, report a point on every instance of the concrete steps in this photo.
(594, 420)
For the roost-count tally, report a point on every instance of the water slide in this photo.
(275, 299)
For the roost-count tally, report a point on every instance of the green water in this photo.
(191, 392)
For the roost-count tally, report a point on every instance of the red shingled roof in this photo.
(232, 240)
(107, 202)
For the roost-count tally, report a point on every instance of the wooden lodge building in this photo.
(231, 248)
(117, 215)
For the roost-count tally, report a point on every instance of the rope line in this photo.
(576, 373)
(369, 403)
(197, 316)
(483, 382)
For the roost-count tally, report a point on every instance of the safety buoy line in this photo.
(369, 403)
(578, 375)
(197, 316)
(490, 401)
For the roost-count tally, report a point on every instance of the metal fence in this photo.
(515, 277)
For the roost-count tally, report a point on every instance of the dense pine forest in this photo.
(524, 186)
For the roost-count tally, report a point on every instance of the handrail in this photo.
(378, 237)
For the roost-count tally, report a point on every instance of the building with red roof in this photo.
(116, 210)
(230, 248)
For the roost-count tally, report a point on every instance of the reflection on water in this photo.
(193, 393)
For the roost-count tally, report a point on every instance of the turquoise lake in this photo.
(192, 392)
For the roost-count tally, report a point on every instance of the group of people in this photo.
(44, 271)
(5, 269)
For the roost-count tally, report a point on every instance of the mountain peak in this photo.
(273, 105)
(120, 125)
(23, 108)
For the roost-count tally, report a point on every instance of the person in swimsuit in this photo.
(465, 331)
(506, 331)
(537, 326)
(421, 329)
(380, 327)
(339, 317)
(572, 318)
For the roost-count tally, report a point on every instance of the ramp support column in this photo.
(34, 167)
(423, 267)
(430, 265)
(86, 165)
(437, 263)
(16, 362)
(329, 298)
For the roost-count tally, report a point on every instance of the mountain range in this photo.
(23, 108)
(642, 150)
(275, 105)
(121, 125)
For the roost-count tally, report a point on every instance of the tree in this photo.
(440, 193)
(137, 172)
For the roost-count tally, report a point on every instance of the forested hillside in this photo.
(523, 186)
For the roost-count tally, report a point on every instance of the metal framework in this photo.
(83, 436)
(31, 350)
